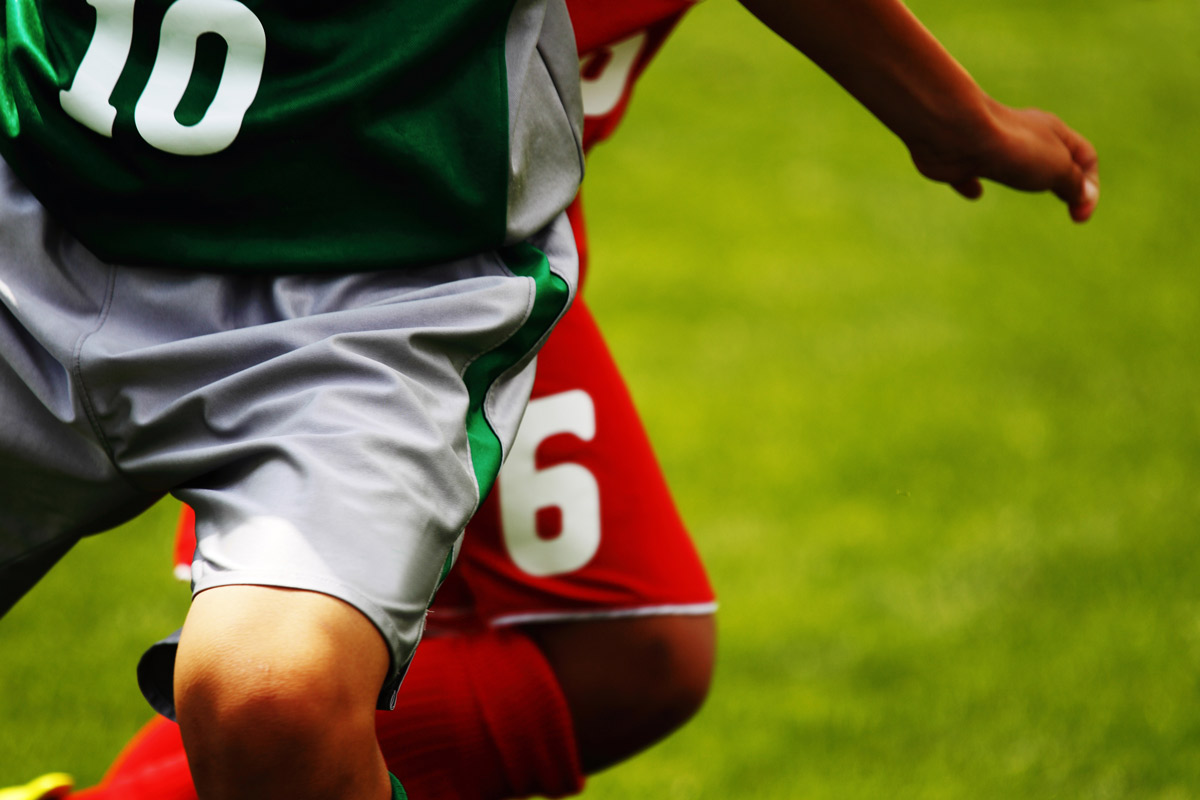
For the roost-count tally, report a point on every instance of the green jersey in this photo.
(288, 135)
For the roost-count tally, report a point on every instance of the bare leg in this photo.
(275, 691)
(628, 682)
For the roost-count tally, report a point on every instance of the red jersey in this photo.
(582, 525)
(616, 41)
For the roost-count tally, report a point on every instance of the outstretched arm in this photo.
(880, 53)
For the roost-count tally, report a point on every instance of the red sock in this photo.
(151, 767)
(480, 717)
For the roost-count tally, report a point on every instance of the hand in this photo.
(1026, 149)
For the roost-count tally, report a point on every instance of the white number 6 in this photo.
(572, 488)
(185, 21)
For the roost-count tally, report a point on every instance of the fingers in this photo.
(971, 188)
(1029, 150)
(1079, 183)
(1082, 211)
(1082, 153)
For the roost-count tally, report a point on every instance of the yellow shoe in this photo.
(54, 786)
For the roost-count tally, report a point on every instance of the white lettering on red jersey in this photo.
(616, 41)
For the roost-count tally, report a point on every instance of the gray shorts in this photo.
(334, 433)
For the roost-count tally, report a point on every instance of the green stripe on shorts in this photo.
(551, 295)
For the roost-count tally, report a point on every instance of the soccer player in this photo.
(290, 262)
(529, 590)
(566, 639)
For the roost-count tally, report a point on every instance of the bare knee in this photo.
(629, 682)
(276, 688)
(688, 653)
(254, 706)
(672, 658)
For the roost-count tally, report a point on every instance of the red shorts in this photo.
(580, 524)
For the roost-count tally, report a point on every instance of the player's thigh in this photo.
(581, 523)
(57, 482)
(347, 425)
(56, 485)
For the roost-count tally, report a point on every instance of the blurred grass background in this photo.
(942, 458)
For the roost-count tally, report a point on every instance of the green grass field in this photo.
(942, 458)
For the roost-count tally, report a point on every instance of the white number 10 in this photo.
(184, 22)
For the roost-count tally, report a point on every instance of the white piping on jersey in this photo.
(689, 610)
